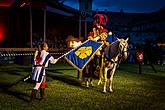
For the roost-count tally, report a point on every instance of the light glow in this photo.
(1, 32)
(73, 44)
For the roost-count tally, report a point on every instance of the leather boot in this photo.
(33, 94)
(42, 92)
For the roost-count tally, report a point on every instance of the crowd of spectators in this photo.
(54, 42)
(153, 53)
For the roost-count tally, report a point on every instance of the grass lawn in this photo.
(132, 91)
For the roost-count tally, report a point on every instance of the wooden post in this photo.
(44, 24)
(80, 26)
(30, 13)
(140, 67)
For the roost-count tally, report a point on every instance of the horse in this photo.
(112, 53)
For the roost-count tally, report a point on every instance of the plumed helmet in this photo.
(101, 19)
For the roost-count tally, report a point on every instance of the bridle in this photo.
(123, 45)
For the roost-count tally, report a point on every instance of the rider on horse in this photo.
(99, 34)
(99, 31)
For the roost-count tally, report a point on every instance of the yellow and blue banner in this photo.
(80, 56)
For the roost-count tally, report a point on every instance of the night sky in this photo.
(131, 6)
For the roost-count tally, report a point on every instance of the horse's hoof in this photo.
(111, 91)
(87, 86)
(104, 92)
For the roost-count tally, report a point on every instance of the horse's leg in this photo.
(91, 82)
(84, 81)
(105, 79)
(87, 82)
(111, 78)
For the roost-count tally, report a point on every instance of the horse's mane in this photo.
(114, 44)
(112, 50)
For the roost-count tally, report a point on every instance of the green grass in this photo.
(132, 91)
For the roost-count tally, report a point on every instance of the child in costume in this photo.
(41, 61)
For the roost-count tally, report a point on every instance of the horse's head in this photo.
(123, 46)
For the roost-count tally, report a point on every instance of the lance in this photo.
(66, 53)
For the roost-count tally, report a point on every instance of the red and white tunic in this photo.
(39, 68)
